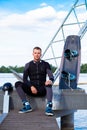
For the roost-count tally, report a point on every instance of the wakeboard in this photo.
(70, 63)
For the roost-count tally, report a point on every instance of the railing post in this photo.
(6, 102)
(7, 87)
(67, 122)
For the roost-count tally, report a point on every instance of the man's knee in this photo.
(49, 86)
(18, 84)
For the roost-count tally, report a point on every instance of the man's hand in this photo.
(34, 90)
(49, 82)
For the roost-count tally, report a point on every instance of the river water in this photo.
(80, 117)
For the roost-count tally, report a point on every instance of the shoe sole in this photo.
(25, 111)
(49, 114)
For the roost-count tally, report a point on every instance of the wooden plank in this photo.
(35, 120)
(2, 117)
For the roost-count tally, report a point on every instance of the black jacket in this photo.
(35, 73)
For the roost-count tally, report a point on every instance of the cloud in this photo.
(35, 18)
(19, 33)
(43, 4)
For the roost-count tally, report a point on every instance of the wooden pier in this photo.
(65, 103)
(35, 120)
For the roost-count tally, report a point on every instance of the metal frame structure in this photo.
(71, 21)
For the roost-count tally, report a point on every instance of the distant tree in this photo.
(53, 68)
(17, 69)
(83, 68)
(4, 69)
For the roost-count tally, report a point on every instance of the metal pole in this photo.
(67, 122)
(6, 103)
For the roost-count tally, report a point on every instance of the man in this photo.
(35, 83)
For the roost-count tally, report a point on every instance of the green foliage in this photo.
(53, 68)
(17, 69)
(83, 68)
(4, 69)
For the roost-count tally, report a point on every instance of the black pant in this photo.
(23, 89)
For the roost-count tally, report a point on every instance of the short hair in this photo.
(37, 48)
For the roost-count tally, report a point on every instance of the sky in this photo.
(25, 24)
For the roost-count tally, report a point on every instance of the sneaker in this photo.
(48, 110)
(25, 109)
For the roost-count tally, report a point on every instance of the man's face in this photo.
(36, 54)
